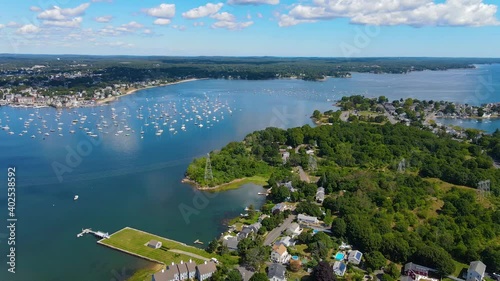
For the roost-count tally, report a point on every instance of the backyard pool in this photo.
(339, 256)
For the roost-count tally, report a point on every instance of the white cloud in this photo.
(396, 12)
(200, 23)
(35, 9)
(118, 44)
(162, 21)
(132, 25)
(225, 16)
(127, 28)
(253, 2)
(179, 27)
(232, 25)
(203, 11)
(147, 31)
(103, 19)
(28, 29)
(13, 24)
(109, 1)
(166, 11)
(2, 26)
(286, 20)
(75, 22)
(57, 13)
(259, 15)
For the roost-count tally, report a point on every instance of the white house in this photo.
(476, 271)
(154, 244)
(205, 270)
(276, 272)
(294, 229)
(307, 219)
(355, 257)
(286, 241)
(280, 254)
(339, 268)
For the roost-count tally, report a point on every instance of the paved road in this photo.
(189, 254)
(303, 175)
(389, 116)
(275, 233)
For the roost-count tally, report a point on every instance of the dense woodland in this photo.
(430, 213)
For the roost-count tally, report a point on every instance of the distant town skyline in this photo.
(306, 28)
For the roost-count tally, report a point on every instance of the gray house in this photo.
(276, 272)
(154, 244)
(476, 271)
(205, 270)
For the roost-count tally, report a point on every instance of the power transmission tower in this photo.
(402, 166)
(208, 169)
(483, 188)
(313, 165)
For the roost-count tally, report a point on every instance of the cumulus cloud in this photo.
(103, 19)
(179, 27)
(166, 11)
(58, 14)
(75, 22)
(200, 23)
(147, 31)
(130, 27)
(28, 29)
(118, 44)
(162, 21)
(232, 25)
(396, 12)
(13, 24)
(2, 26)
(203, 11)
(253, 2)
(35, 9)
(225, 16)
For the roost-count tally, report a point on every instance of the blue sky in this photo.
(326, 28)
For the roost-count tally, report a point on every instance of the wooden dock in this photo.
(98, 234)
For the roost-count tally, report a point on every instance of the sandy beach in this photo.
(132, 91)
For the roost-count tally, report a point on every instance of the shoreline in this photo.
(234, 184)
(133, 91)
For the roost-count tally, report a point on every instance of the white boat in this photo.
(76, 197)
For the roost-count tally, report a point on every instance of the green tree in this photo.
(323, 272)
(234, 275)
(259, 276)
(213, 246)
(374, 260)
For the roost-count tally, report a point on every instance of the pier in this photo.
(98, 234)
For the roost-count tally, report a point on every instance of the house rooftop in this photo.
(165, 275)
(280, 249)
(276, 270)
(207, 267)
(478, 266)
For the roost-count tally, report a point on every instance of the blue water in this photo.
(128, 181)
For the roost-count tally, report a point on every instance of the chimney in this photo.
(205, 262)
(190, 261)
(163, 270)
(182, 262)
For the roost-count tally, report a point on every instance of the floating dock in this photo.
(98, 234)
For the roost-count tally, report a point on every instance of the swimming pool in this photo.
(339, 256)
(295, 258)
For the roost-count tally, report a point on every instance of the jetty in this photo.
(98, 234)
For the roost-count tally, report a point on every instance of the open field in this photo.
(134, 242)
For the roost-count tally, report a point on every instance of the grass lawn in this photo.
(458, 268)
(258, 180)
(134, 241)
(145, 274)
(301, 275)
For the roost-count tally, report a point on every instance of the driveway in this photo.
(275, 233)
(303, 175)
